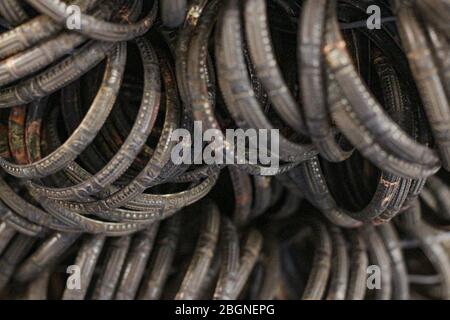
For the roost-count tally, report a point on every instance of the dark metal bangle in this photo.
(311, 42)
(86, 131)
(310, 179)
(411, 222)
(379, 256)
(203, 254)
(243, 195)
(136, 262)
(95, 28)
(359, 262)
(137, 137)
(12, 11)
(266, 66)
(34, 31)
(116, 253)
(45, 255)
(427, 77)
(320, 271)
(441, 47)
(249, 252)
(86, 260)
(55, 77)
(272, 269)
(262, 195)
(16, 251)
(38, 288)
(341, 266)
(6, 234)
(40, 56)
(400, 285)
(235, 84)
(229, 252)
(153, 285)
(358, 96)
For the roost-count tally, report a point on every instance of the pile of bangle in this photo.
(92, 92)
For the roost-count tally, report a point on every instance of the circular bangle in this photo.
(426, 75)
(379, 256)
(203, 253)
(16, 251)
(229, 253)
(400, 285)
(34, 31)
(266, 67)
(115, 256)
(135, 263)
(153, 284)
(235, 84)
(340, 267)
(359, 261)
(86, 260)
(47, 253)
(93, 27)
(311, 42)
(12, 11)
(87, 130)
